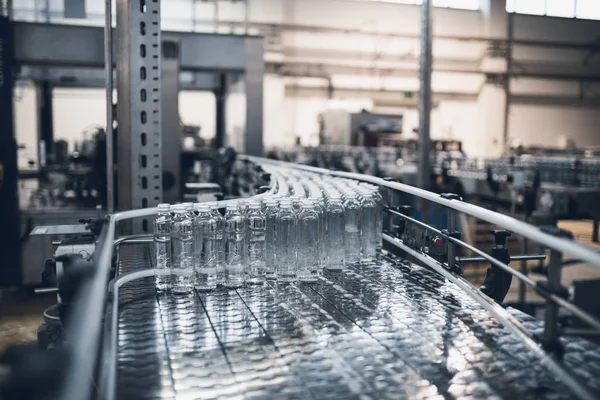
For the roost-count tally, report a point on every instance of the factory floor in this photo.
(21, 314)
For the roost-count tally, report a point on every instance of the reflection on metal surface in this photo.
(379, 331)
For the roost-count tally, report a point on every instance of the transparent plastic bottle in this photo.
(205, 227)
(352, 228)
(271, 210)
(183, 252)
(308, 243)
(368, 227)
(256, 236)
(235, 239)
(219, 243)
(189, 209)
(379, 220)
(319, 208)
(162, 246)
(286, 242)
(336, 225)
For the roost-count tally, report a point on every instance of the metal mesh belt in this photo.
(384, 331)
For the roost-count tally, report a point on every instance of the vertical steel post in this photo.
(424, 174)
(139, 107)
(220, 100)
(108, 79)
(10, 240)
(551, 317)
(246, 16)
(510, 30)
(450, 244)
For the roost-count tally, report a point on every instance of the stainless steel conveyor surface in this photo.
(388, 330)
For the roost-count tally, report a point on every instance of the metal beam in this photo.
(82, 46)
(95, 77)
(498, 41)
(390, 98)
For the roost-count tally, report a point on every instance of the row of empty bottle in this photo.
(311, 223)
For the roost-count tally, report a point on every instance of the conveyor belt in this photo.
(385, 331)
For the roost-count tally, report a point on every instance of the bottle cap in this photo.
(233, 206)
(164, 207)
(308, 203)
(203, 207)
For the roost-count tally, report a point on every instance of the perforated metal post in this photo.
(139, 108)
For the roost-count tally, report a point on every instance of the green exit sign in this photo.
(409, 95)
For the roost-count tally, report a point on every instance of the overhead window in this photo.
(582, 9)
(458, 4)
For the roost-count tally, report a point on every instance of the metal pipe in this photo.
(582, 46)
(45, 290)
(551, 312)
(86, 321)
(108, 77)
(465, 260)
(502, 316)
(581, 332)
(424, 173)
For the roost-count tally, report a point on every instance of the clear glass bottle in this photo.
(205, 227)
(256, 233)
(336, 225)
(286, 242)
(219, 243)
(235, 239)
(271, 210)
(162, 246)
(308, 243)
(183, 252)
(352, 228)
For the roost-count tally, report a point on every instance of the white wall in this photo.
(553, 125)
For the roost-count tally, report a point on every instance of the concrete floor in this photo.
(21, 314)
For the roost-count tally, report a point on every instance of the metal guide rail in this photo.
(392, 329)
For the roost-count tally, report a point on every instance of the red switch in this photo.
(437, 241)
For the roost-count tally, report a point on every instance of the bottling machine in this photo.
(404, 326)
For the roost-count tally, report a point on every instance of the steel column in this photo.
(510, 33)
(424, 174)
(172, 135)
(10, 241)
(108, 79)
(255, 71)
(139, 105)
(220, 100)
(45, 122)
